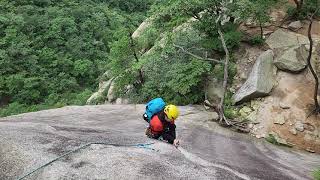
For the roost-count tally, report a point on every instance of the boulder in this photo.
(93, 98)
(142, 28)
(279, 120)
(252, 117)
(284, 105)
(299, 126)
(293, 131)
(294, 59)
(276, 139)
(98, 96)
(260, 81)
(105, 77)
(104, 86)
(245, 111)
(282, 39)
(122, 101)
(295, 26)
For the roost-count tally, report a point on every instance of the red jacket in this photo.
(160, 127)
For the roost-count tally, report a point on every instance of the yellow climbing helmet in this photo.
(171, 111)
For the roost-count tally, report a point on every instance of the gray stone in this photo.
(307, 137)
(255, 104)
(93, 98)
(279, 120)
(104, 87)
(295, 26)
(299, 126)
(282, 39)
(310, 150)
(284, 105)
(214, 115)
(122, 101)
(259, 136)
(33, 139)
(260, 81)
(279, 139)
(244, 112)
(293, 131)
(143, 27)
(252, 116)
(294, 59)
(246, 109)
(206, 107)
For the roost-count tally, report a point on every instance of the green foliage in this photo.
(131, 6)
(147, 39)
(308, 7)
(17, 108)
(271, 139)
(256, 10)
(168, 73)
(218, 71)
(229, 110)
(256, 40)
(81, 98)
(316, 174)
(231, 34)
(52, 52)
(53, 101)
(168, 14)
(178, 82)
(292, 11)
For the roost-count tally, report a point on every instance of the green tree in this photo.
(255, 10)
(52, 52)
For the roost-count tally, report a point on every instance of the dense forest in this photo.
(53, 53)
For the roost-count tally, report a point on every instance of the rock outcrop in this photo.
(104, 88)
(293, 59)
(282, 39)
(260, 81)
(142, 28)
(295, 26)
(29, 141)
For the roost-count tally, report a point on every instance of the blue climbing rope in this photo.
(145, 146)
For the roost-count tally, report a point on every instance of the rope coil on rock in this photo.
(145, 146)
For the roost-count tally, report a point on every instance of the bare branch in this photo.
(315, 97)
(196, 56)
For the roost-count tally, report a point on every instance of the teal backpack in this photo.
(153, 107)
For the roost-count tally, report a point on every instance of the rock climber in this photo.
(161, 125)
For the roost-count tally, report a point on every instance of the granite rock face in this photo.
(260, 81)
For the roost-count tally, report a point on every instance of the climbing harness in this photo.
(145, 146)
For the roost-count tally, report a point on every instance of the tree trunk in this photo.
(315, 96)
(136, 58)
(261, 30)
(299, 5)
(225, 76)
